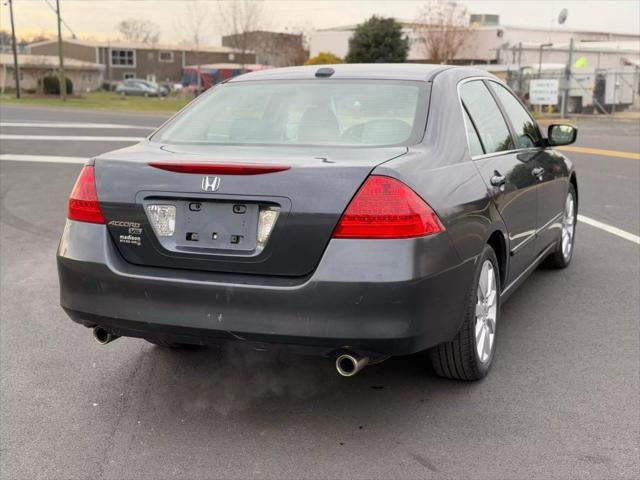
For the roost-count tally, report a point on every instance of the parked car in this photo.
(351, 211)
(137, 87)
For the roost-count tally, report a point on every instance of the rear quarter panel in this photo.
(441, 171)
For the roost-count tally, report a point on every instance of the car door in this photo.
(135, 88)
(508, 175)
(128, 87)
(549, 170)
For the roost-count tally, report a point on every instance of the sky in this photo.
(98, 18)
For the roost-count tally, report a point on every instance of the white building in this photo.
(491, 42)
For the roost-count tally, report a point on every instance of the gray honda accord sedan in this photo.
(351, 211)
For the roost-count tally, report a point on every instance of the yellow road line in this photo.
(599, 151)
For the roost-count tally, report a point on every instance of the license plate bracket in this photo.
(215, 225)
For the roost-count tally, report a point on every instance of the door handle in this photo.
(537, 172)
(498, 180)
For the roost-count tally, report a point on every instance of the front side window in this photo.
(301, 112)
(526, 130)
(123, 58)
(483, 109)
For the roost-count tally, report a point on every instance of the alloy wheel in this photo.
(486, 311)
(568, 227)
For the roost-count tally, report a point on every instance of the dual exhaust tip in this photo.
(347, 364)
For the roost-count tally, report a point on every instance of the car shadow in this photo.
(270, 391)
(275, 403)
(236, 380)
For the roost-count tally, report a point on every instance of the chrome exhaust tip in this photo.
(103, 336)
(348, 364)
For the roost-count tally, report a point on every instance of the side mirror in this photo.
(561, 134)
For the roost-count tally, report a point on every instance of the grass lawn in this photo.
(103, 101)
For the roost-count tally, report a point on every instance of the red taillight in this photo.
(83, 201)
(386, 208)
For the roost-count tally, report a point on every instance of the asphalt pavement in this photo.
(562, 401)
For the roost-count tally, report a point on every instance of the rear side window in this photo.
(487, 118)
(527, 132)
(475, 146)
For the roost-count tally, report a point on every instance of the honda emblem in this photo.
(210, 184)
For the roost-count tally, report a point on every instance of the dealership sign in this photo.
(543, 91)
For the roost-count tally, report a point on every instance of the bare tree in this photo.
(238, 19)
(277, 49)
(192, 30)
(442, 28)
(288, 48)
(193, 25)
(135, 30)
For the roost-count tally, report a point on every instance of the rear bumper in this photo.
(384, 297)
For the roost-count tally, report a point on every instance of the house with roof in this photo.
(150, 61)
(84, 75)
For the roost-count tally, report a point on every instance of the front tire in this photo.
(563, 253)
(470, 354)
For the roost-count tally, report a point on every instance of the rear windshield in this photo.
(300, 112)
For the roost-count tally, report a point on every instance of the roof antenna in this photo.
(325, 72)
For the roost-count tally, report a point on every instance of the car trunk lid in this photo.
(219, 217)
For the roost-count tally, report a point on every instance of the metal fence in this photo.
(595, 91)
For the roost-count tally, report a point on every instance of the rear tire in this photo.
(470, 354)
(563, 253)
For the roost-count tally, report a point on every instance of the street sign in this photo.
(543, 91)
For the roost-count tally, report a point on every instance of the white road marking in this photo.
(610, 229)
(15, 157)
(75, 125)
(70, 138)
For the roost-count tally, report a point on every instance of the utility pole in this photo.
(14, 47)
(567, 79)
(520, 55)
(520, 69)
(542, 45)
(63, 80)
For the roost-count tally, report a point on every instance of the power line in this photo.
(73, 34)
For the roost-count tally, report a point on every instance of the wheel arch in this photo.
(498, 243)
(573, 180)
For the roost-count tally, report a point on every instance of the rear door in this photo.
(549, 171)
(507, 174)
